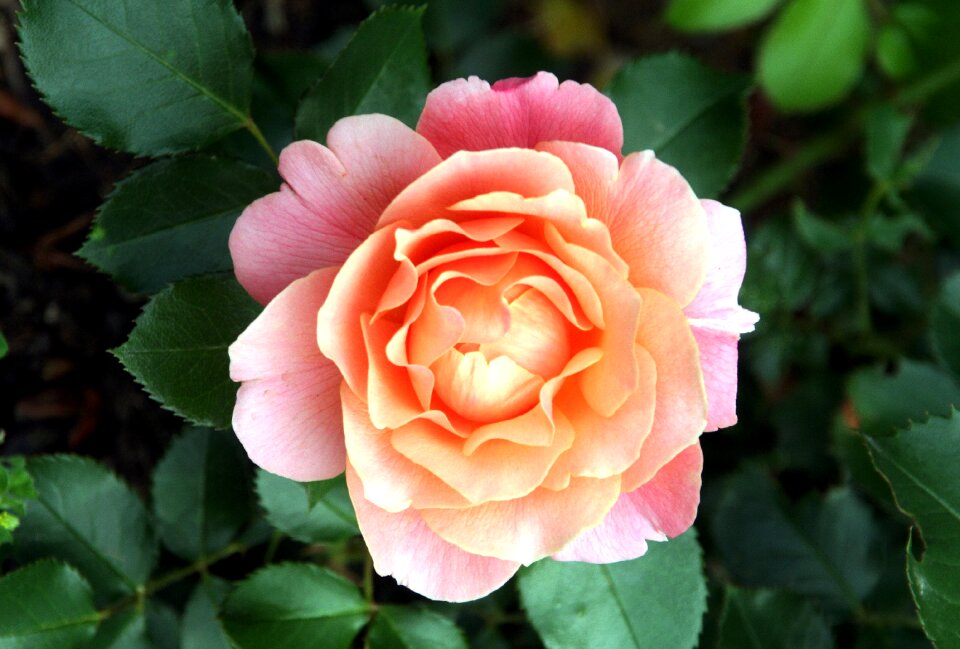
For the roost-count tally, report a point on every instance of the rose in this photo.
(510, 336)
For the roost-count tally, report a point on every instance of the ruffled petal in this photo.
(470, 114)
(288, 409)
(332, 198)
(663, 507)
(402, 546)
(529, 528)
(656, 223)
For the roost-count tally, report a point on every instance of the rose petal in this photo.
(332, 199)
(680, 413)
(664, 506)
(402, 546)
(469, 114)
(288, 409)
(390, 480)
(467, 174)
(529, 528)
(656, 223)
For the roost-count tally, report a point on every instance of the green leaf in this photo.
(770, 619)
(288, 508)
(655, 601)
(201, 629)
(896, 55)
(383, 69)
(944, 324)
(921, 465)
(887, 130)
(884, 402)
(147, 76)
(86, 515)
(818, 233)
(937, 188)
(46, 605)
(826, 549)
(126, 629)
(294, 606)
(201, 493)
(172, 219)
(716, 15)
(672, 103)
(178, 348)
(406, 627)
(888, 233)
(814, 53)
(4, 347)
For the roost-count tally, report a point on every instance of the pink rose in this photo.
(510, 336)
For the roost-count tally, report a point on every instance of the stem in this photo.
(368, 578)
(200, 565)
(931, 84)
(888, 620)
(272, 548)
(257, 134)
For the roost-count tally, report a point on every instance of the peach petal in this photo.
(609, 383)
(356, 290)
(483, 390)
(466, 174)
(666, 506)
(469, 114)
(330, 203)
(288, 410)
(606, 446)
(528, 528)
(437, 330)
(497, 470)
(538, 338)
(402, 546)
(716, 318)
(485, 314)
(656, 223)
(390, 481)
(681, 401)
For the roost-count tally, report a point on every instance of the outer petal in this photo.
(330, 203)
(716, 318)
(656, 223)
(288, 409)
(404, 547)
(680, 413)
(527, 528)
(469, 114)
(665, 506)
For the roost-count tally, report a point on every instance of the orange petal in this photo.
(482, 390)
(681, 408)
(528, 528)
(656, 223)
(390, 481)
(538, 338)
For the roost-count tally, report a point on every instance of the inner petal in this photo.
(483, 390)
(538, 338)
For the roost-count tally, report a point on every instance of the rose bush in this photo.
(508, 334)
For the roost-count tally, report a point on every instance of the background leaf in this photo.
(408, 627)
(921, 465)
(201, 493)
(383, 69)
(824, 549)
(46, 605)
(770, 619)
(294, 606)
(287, 504)
(655, 601)
(84, 514)
(201, 627)
(945, 323)
(716, 15)
(814, 53)
(178, 348)
(884, 401)
(672, 103)
(172, 219)
(147, 76)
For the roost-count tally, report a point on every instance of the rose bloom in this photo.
(509, 335)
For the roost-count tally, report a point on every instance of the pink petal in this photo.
(288, 409)
(664, 506)
(715, 317)
(656, 223)
(402, 546)
(469, 114)
(332, 199)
